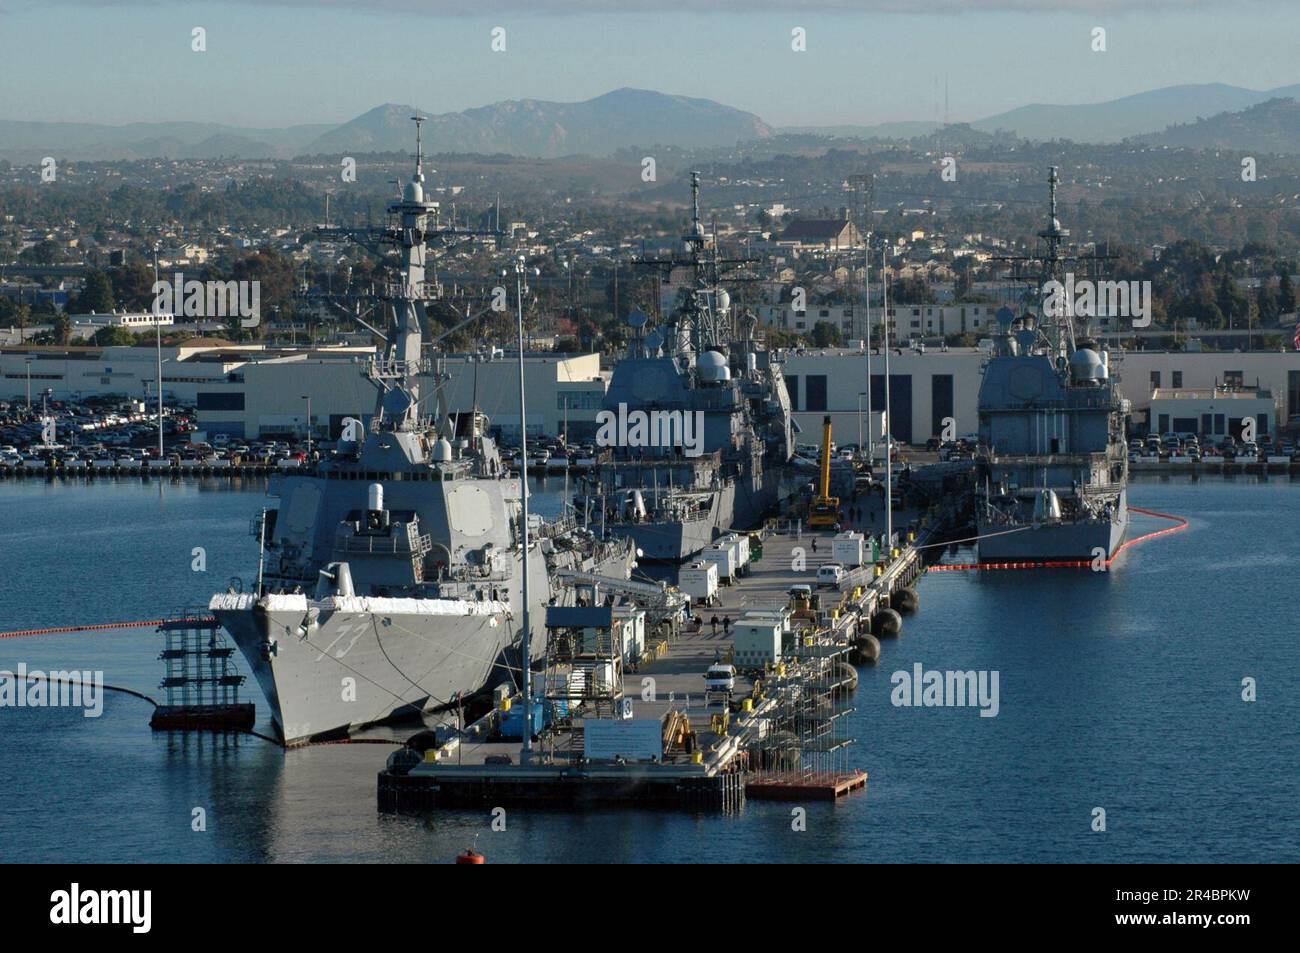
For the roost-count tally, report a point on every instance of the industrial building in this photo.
(252, 390)
(927, 387)
(1212, 413)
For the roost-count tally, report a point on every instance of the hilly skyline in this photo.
(628, 117)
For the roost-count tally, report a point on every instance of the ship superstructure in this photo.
(704, 377)
(392, 579)
(1053, 479)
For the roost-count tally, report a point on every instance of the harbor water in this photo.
(1118, 691)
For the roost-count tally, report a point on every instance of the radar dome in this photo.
(442, 450)
(1086, 365)
(414, 192)
(712, 367)
(724, 299)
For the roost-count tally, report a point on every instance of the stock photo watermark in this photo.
(24, 688)
(936, 688)
(655, 429)
(209, 299)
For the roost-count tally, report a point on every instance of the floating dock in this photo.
(641, 729)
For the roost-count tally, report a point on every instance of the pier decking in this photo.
(774, 737)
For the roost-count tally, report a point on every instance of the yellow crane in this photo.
(825, 511)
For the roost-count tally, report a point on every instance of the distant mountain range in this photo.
(1141, 114)
(623, 118)
(526, 127)
(533, 127)
(1272, 126)
(1135, 115)
(31, 141)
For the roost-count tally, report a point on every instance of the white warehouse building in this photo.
(250, 391)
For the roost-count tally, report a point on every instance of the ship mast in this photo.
(1053, 270)
(701, 324)
(396, 373)
(412, 222)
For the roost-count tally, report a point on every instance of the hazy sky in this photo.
(278, 62)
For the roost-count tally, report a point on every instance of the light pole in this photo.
(157, 324)
(866, 304)
(29, 385)
(525, 640)
(861, 394)
(888, 432)
(307, 398)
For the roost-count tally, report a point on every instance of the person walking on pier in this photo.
(715, 624)
(814, 544)
(726, 624)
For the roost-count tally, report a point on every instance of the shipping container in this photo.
(757, 642)
(699, 580)
(724, 557)
(848, 549)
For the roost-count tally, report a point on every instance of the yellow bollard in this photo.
(505, 705)
(697, 757)
(747, 705)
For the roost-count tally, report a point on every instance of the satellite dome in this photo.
(723, 299)
(442, 450)
(712, 367)
(414, 192)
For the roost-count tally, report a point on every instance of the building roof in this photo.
(1210, 393)
(815, 229)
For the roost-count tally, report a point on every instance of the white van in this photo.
(832, 574)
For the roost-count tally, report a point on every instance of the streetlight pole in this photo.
(29, 385)
(157, 324)
(525, 640)
(866, 303)
(861, 394)
(889, 422)
(307, 398)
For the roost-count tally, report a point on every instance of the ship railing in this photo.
(412, 291)
(386, 369)
(561, 526)
(414, 425)
(477, 574)
(399, 544)
(1100, 489)
(1047, 459)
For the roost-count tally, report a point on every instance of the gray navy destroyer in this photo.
(391, 581)
(1053, 475)
(705, 364)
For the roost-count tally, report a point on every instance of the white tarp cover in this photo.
(238, 601)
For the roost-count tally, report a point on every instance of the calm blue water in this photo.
(1118, 690)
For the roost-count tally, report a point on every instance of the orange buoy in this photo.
(470, 857)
